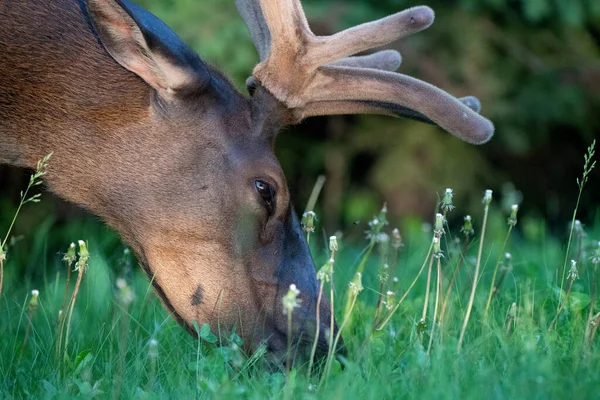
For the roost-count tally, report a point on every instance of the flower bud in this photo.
(356, 284)
(467, 228)
(291, 300)
(333, 244)
(446, 204)
(438, 227)
(69, 256)
(308, 221)
(487, 198)
(512, 219)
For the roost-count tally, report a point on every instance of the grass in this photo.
(123, 344)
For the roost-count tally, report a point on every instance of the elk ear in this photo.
(144, 45)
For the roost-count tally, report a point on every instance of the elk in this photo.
(164, 149)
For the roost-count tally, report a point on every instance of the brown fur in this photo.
(172, 172)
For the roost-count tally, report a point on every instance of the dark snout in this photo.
(297, 268)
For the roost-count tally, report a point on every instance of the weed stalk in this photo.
(588, 166)
(487, 199)
(512, 221)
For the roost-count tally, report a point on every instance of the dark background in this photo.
(535, 66)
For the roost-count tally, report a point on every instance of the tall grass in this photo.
(461, 342)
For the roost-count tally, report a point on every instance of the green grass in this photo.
(122, 343)
(109, 352)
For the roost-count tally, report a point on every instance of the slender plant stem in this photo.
(500, 280)
(27, 332)
(595, 322)
(318, 331)
(393, 310)
(72, 306)
(379, 303)
(509, 322)
(12, 223)
(452, 281)
(1, 270)
(61, 315)
(587, 343)
(360, 269)
(427, 289)
(437, 301)
(314, 195)
(288, 357)
(394, 263)
(475, 280)
(564, 266)
(562, 305)
(337, 337)
(491, 293)
(331, 319)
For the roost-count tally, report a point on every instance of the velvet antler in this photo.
(315, 75)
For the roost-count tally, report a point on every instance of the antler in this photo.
(313, 75)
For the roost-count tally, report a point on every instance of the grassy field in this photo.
(120, 343)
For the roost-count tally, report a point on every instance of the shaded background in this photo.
(534, 64)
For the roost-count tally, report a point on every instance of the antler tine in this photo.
(387, 60)
(391, 93)
(286, 22)
(251, 12)
(336, 107)
(369, 35)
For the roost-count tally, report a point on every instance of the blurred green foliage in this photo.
(534, 64)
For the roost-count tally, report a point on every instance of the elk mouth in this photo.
(302, 342)
(272, 334)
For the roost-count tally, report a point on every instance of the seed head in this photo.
(438, 227)
(437, 251)
(153, 348)
(396, 239)
(383, 273)
(308, 221)
(69, 256)
(487, 198)
(125, 295)
(355, 284)
(467, 228)
(446, 204)
(573, 273)
(291, 300)
(512, 219)
(596, 255)
(33, 301)
(376, 224)
(578, 229)
(84, 256)
(421, 326)
(83, 250)
(389, 300)
(324, 274)
(333, 244)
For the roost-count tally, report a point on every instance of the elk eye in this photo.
(267, 194)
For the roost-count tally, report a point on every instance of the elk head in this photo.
(180, 163)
